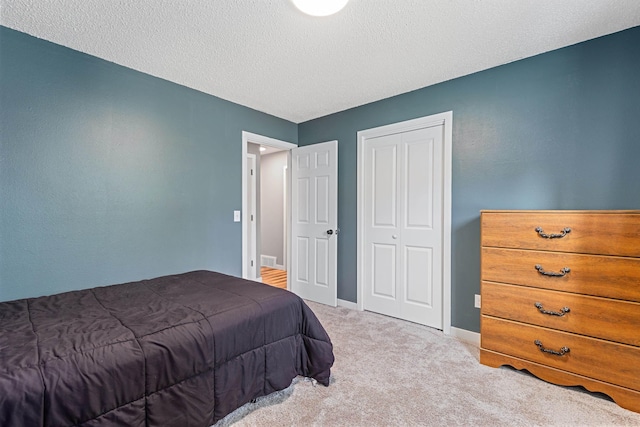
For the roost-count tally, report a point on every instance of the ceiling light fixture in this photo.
(320, 7)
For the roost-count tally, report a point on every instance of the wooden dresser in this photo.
(561, 297)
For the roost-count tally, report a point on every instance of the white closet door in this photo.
(404, 224)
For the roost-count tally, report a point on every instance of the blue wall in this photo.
(557, 131)
(110, 175)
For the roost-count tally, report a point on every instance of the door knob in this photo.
(394, 236)
(329, 232)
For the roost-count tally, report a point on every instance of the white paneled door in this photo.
(314, 222)
(403, 231)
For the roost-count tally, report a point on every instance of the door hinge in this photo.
(251, 263)
(251, 217)
(251, 172)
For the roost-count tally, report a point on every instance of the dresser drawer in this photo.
(590, 233)
(596, 317)
(594, 358)
(605, 276)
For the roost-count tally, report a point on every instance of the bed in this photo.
(181, 350)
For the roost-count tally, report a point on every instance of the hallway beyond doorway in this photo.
(274, 277)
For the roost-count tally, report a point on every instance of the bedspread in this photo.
(181, 350)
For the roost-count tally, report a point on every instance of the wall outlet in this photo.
(476, 301)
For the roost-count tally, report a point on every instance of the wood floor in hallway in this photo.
(274, 277)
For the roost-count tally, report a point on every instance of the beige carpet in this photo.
(394, 373)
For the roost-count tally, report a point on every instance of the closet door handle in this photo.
(563, 271)
(329, 232)
(562, 312)
(560, 235)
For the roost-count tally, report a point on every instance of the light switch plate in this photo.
(236, 216)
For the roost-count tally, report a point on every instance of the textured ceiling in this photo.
(266, 55)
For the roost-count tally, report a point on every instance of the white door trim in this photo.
(285, 225)
(252, 241)
(446, 120)
(255, 138)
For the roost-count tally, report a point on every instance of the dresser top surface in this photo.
(616, 212)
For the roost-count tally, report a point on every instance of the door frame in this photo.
(442, 119)
(252, 229)
(255, 138)
(285, 209)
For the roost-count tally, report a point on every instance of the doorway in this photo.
(273, 209)
(404, 220)
(250, 241)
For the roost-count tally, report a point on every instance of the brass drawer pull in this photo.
(562, 272)
(562, 352)
(562, 312)
(560, 235)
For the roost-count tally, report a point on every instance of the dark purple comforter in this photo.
(181, 350)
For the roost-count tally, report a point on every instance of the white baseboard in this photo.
(347, 304)
(466, 336)
(279, 267)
